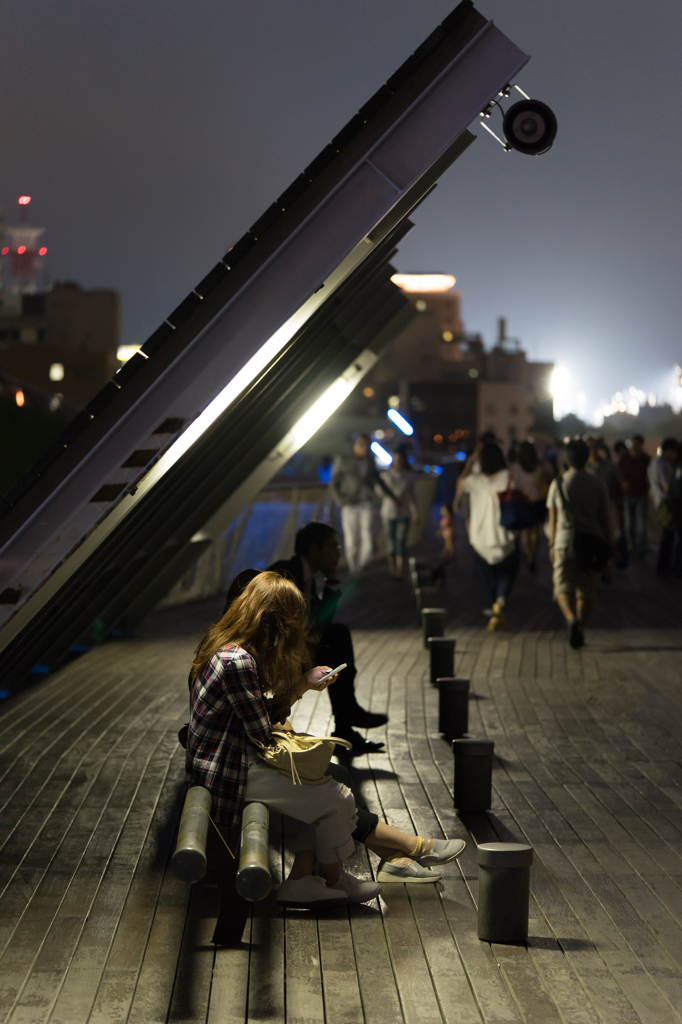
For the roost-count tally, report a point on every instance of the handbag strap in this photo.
(222, 837)
(567, 510)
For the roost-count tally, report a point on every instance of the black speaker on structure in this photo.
(530, 127)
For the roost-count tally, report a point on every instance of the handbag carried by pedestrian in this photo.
(588, 550)
(304, 759)
(517, 511)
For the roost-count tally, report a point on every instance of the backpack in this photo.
(588, 550)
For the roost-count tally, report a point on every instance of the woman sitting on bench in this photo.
(258, 647)
(403, 857)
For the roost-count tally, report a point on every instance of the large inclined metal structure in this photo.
(243, 371)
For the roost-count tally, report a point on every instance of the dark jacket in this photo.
(321, 609)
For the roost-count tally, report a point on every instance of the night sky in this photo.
(152, 133)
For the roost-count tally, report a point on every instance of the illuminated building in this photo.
(64, 326)
(448, 385)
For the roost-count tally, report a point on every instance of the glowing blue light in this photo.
(461, 456)
(438, 470)
(384, 457)
(400, 422)
(427, 469)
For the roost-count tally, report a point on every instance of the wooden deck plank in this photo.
(72, 851)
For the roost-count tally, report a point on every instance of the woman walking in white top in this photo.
(397, 509)
(495, 547)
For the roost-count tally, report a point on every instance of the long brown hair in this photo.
(268, 620)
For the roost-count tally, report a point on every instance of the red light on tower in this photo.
(5, 251)
(43, 251)
(24, 200)
(21, 250)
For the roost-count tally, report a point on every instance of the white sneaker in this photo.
(412, 872)
(310, 893)
(356, 890)
(444, 850)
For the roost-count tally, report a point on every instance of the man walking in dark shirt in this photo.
(633, 467)
(317, 551)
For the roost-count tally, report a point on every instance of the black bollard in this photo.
(433, 623)
(453, 706)
(503, 891)
(473, 774)
(425, 597)
(442, 657)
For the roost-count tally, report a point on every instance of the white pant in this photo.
(328, 810)
(356, 521)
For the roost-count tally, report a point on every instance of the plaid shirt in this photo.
(227, 709)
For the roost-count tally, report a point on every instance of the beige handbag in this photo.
(304, 759)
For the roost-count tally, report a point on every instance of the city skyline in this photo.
(151, 139)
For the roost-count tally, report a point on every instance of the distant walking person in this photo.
(600, 465)
(532, 478)
(353, 486)
(495, 548)
(577, 501)
(633, 466)
(398, 510)
(661, 471)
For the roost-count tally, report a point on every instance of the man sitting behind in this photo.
(317, 551)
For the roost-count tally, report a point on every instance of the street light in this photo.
(384, 457)
(400, 422)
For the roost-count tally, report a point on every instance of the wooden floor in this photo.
(94, 927)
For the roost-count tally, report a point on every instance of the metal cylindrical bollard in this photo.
(433, 623)
(453, 706)
(188, 862)
(441, 656)
(253, 877)
(425, 597)
(503, 891)
(473, 774)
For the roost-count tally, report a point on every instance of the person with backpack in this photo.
(663, 482)
(580, 539)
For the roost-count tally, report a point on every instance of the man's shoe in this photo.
(444, 850)
(360, 744)
(356, 890)
(367, 719)
(310, 893)
(575, 635)
(411, 873)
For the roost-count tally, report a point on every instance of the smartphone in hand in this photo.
(333, 672)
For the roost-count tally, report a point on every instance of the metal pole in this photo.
(442, 657)
(473, 774)
(503, 891)
(453, 706)
(433, 623)
(188, 862)
(253, 877)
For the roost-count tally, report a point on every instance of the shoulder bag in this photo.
(588, 550)
(517, 511)
(304, 759)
